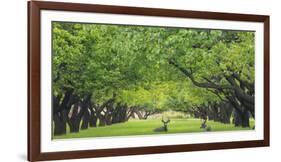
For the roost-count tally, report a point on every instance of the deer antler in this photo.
(167, 121)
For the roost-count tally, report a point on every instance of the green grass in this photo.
(145, 127)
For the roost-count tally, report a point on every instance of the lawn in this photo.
(146, 127)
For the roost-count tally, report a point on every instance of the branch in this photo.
(239, 92)
(248, 85)
(217, 94)
(189, 74)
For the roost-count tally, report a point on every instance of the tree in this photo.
(216, 69)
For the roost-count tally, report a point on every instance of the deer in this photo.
(164, 128)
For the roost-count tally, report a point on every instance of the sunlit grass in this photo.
(146, 127)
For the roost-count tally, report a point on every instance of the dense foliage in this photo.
(106, 74)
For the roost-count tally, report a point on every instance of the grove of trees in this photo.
(107, 74)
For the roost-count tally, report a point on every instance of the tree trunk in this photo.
(93, 118)
(132, 114)
(74, 126)
(108, 119)
(241, 119)
(119, 114)
(139, 114)
(237, 119)
(60, 111)
(228, 113)
(245, 119)
(102, 121)
(75, 119)
(211, 113)
(59, 125)
(93, 121)
(85, 120)
(225, 110)
(216, 113)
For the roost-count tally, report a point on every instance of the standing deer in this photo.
(164, 128)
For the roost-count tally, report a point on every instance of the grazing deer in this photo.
(164, 128)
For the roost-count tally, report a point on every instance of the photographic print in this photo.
(116, 80)
(120, 80)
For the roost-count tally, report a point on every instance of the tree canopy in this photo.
(152, 68)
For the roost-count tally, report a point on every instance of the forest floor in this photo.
(146, 127)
